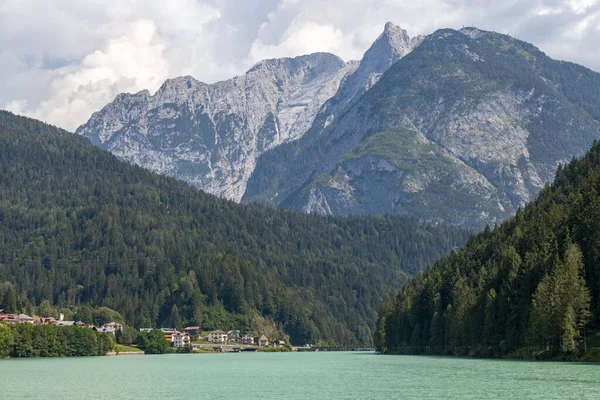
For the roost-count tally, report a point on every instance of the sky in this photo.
(61, 60)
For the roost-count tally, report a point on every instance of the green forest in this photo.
(527, 288)
(27, 340)
(80, 228)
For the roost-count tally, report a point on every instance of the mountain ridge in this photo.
(210, 135)
(499, 114)
(473, 116)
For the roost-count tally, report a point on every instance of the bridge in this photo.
(236, 348)
(335, 348)
(225, 348)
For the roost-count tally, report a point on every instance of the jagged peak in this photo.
(390, 30)
(393, 35)
(391, 45)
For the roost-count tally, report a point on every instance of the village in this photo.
(217, 340)
(110, 327)
(192, 336)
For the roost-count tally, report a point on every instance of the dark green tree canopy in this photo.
(81, 228)
(531, 283)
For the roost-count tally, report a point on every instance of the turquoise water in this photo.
(294, 376)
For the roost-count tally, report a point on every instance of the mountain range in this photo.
(461, 126)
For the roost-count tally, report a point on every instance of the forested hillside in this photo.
(528, 287)
(79, 227)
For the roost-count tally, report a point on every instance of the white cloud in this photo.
(63, 74)
(61, 60)
(300, 38)
(128, 63)
(581, 6)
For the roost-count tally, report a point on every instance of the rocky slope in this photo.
(466, 128)
(210, 135)
(393, 44)
(274, 176)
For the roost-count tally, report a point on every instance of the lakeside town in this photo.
(216, 339)
(192, 337)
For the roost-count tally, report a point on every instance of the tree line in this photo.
(528, 287)
(28, 340)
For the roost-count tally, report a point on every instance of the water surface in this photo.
(321, 375)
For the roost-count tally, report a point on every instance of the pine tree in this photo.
(175, 318)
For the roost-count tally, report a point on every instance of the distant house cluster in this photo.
(218, 337)
(230, 337)
(110, 327)
(16, 318)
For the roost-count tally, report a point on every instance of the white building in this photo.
(247, 338)
(180, 339)
(217, 336)
(64, 323)
(106, 329)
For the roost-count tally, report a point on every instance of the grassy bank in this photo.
(121, 348)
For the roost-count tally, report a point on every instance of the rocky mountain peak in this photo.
(211, 134)
(393, 43)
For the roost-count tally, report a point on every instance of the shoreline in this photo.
(590, 356)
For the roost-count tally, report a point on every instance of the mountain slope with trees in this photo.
(79, 228)
(531, 286)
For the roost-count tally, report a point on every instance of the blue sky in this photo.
(61, 60)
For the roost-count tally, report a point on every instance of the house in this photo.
(106, 329)
(16, 318)
(180, 339)
(233, 336)
(263, 341)
(46, 320)
(193, 330)
(110, 327)
(217, 336)
(146, 329)
(247, 338)
(169, 333)
(64, 323)
(81, 324)
(118, 327)
(278, 342)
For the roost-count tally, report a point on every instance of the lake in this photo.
(320, 375)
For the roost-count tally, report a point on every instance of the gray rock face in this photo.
(211, 135)
(466, 131)
(393, 44)
(271, 183)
